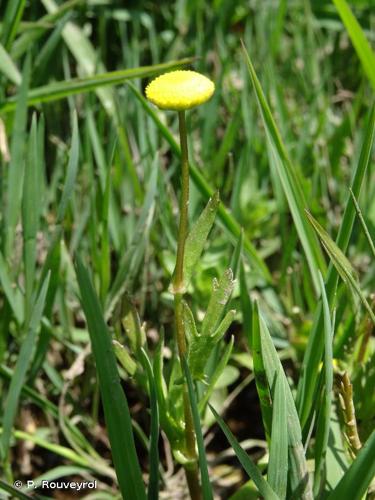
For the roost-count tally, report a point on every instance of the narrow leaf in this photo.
(205, 478)
(71, 172)
(289, 179)
(22, 365)
(115, 405)
(261, 382)
(358, 38)
(61, 90)
(310, 369)
(8, 67)
(16, 166)
(278, 462)
(198, 236)
(324, 412)
(341, 263)
(153, 485)
(251, 469)
(357, 478)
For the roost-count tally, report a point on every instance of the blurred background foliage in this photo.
(319, 96)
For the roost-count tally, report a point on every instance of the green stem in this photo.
(178, 290)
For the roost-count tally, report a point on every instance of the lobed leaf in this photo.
(222, 290)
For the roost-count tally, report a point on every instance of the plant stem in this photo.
(178, 289)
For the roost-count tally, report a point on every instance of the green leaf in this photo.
(13, 296)
(363, 223)
(13, 491)
(220, 296)
(124, 357)
(132, 324)
(115, 406)
(22, 365)
(61, 90)
(223, 361)
(205, 478)
(132, 259)
(8, 67)
(71, 172)
(290, 180)
(31, 207)
(11, 21)
(246, 307)
(341, 263)
(16, 166)
(237, 254)
(324, 412)
(201, 347)
(299, 476)
(174, 431)
(361, 45)
(357, 478)
(189, 322)
(251, 469)
(260, 373)
(310, 371)
(153, 484)
(277, 474)
(198, 235)
(337, 455)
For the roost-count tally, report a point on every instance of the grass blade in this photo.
(205, 478)
(251, 469)
(361, 45)
(341, 263)
(61, 90)
(30, 213)
(324, 414)
(314, 350)
(299, 476)
(289, 179)
(8, 67)
(11, 20)
(260, 373)
(115, 406)
(16, 166)
(71, 172)
(153, 485)
(277, 475)
(357, 478)
(363, 223)
(18, 379)
(13, 491)
(14, 297)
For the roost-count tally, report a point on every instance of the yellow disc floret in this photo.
(179, 90)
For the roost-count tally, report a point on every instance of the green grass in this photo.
(281, 192)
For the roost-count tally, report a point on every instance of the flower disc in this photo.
(179, 90)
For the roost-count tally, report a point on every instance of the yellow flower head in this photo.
(179, 90)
